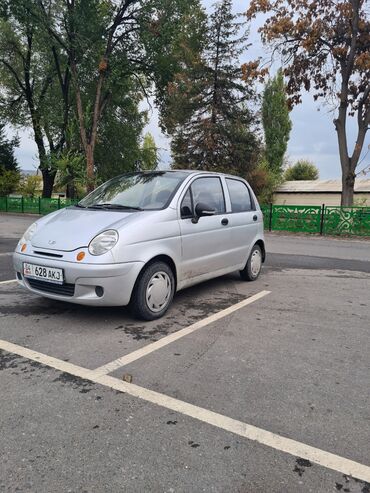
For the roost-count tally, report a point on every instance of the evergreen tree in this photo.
(276, 122)
(8, 161)
(214, 125)
(9, 172)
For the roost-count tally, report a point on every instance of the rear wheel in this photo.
(254, 265)
(153, 291)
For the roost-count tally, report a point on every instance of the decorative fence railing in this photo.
(326, 220)
(37, 205)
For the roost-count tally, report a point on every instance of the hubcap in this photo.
(256, 262)
(158, 291)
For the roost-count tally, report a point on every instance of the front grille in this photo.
(48, 254)
(49, 287)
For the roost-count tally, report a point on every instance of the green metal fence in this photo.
(327, 220)
(36, 205)
(346, 221)
(296, 218)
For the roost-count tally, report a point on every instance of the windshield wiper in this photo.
(115, 206)
(80, 206)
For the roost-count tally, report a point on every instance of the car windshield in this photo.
(135, 191)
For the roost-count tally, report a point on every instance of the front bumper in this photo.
(117, 280)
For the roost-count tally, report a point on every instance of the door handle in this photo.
(255, 217)
(224, 221)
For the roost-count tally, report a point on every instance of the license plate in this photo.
(49, 274)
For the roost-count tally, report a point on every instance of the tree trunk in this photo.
(348, 184)
(71, 190)
(48, 182)
(90, 168)
(348, 175)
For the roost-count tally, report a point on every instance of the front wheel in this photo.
(254, 265)
(153, 291)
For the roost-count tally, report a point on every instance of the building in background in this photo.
(320, 192)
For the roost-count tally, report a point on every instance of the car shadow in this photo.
(189, 305)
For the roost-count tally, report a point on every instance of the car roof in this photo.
(190, 172)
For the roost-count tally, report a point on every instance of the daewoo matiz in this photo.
(140, 237)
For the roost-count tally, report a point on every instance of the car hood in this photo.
(74, 228)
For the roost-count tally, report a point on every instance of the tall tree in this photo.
(325, 49)
(34, 80)
(214, 128)
(276, 122)
(106, 41)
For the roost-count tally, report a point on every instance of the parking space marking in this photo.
(44, 359)
(140, 353)
(263, 437)
(8, 282)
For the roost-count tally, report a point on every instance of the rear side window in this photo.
(239, 196)
(209, 191)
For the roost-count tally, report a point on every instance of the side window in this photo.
(186, 206)
(239, 196)
(209, 191)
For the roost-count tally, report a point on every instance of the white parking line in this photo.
(140, 353)
(264, 437)
(8, 282)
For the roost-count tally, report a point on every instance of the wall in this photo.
(281, 198)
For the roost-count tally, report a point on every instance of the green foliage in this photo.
(30, 186)
(149, 151)
(54, 54)
(34, 78)
(118, 146)
(9, 180)
(69, 166)
(173, 36)
(276, 122)
(264, 182)
(302, 170)
(7, 147)
(213, 129)
(100, 56)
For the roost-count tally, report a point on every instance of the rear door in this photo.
(243, 219)
(206, 244)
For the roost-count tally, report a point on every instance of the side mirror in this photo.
(202, 210)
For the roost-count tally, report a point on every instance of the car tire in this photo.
(153, 291)
(254, 265)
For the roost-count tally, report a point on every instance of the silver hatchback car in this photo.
(140, 237)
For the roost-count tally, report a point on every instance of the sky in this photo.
(312, 137)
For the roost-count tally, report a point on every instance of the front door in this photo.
(206, 244)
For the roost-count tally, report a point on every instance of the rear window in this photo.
(239, 196)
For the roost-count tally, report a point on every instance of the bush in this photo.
(30, 186)
(302, 170)
(9, 181)
(264, 182)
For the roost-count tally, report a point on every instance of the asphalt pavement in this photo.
(209, 409)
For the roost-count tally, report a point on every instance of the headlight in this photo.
(29, 233)
(103, 242)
